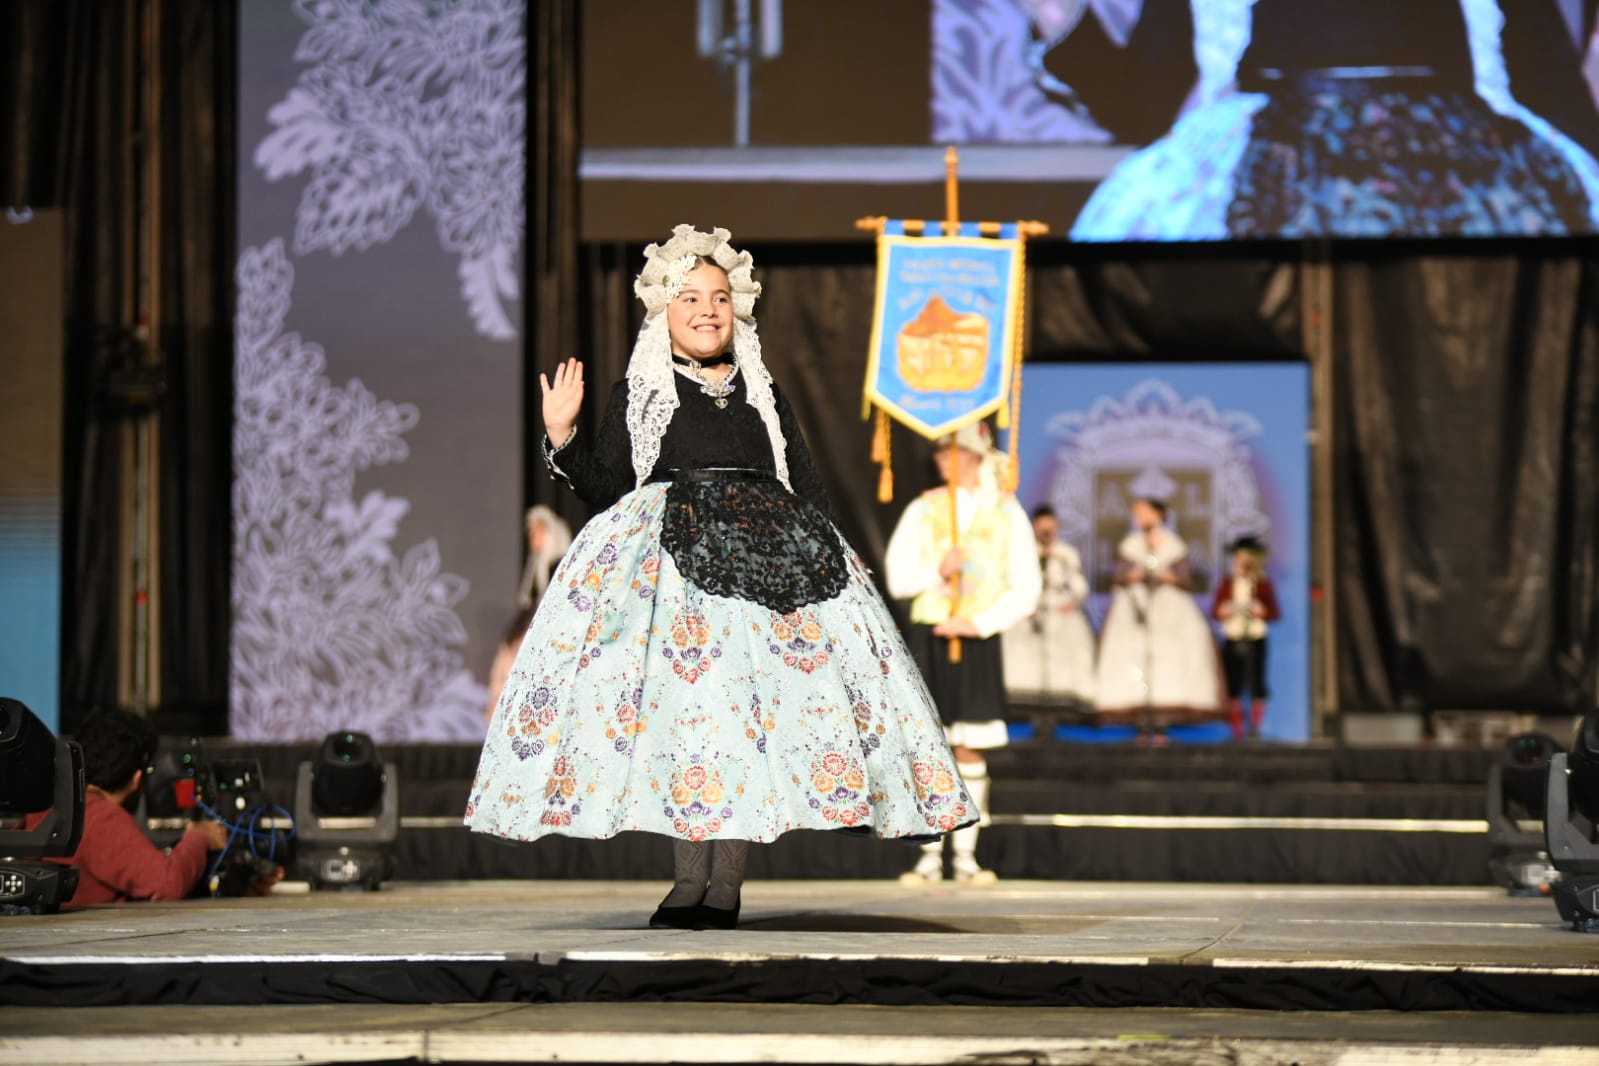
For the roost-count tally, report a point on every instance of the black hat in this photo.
(1247, 543)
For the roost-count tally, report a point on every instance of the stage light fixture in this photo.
(1517, 787)
(38, 772)
(348, 779)
(1571, 810)
(1584, 768)
(347, 810)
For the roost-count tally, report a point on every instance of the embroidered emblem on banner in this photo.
(944, 329)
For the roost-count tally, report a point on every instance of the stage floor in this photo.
(1219, 926)
(496, 961)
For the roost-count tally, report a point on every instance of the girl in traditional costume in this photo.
(711, 661)
(1157, 655)
(1049, 655)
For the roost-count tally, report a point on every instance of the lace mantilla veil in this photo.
(651, 388)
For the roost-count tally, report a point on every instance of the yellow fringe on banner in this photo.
(883, 455)
(1014, 474)
(1011, 413)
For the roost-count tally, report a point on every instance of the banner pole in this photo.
(954, 540)
(952, 214)
(952, 208)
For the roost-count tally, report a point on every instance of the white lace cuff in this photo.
(550, 450)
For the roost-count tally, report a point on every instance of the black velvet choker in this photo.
(725, 359)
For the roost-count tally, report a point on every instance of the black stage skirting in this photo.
(1031, 782)
(887, 982)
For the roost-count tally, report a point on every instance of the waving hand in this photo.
(562, 399)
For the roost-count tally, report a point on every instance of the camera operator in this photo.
(117, 861)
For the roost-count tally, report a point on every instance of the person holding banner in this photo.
(1157, 656)
(711, 661)
(971, 588)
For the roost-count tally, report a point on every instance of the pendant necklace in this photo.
(717, 390)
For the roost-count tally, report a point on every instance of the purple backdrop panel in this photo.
(378, 365)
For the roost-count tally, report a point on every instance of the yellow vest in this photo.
(985, 546)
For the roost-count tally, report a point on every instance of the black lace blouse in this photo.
(746, 539)
(700, 435)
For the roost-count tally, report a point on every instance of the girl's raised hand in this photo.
(562, 399)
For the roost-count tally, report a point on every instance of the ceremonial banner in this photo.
(946, 327)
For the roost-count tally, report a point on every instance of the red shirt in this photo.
(117, 862)
(1264, 592)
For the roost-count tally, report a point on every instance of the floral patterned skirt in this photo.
(642, 701)
(1346, 158)
(1364, 158)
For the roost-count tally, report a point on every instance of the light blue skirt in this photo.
(641, 701)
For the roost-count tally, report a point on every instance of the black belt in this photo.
(711, 473)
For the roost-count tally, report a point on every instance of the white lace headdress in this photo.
(651, 388)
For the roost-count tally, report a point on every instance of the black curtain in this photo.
(69, 120)
(555, 315)
(1467, 480)
(33, 81)
(198, 149)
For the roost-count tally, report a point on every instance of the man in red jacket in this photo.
(1246, 605)
(116, 860)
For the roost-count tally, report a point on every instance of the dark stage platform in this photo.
(820, 972)
(1017, 944)
(1258, 813)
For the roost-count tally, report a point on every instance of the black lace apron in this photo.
(739, 533)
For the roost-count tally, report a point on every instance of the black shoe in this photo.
(675, 917)
(717, 918)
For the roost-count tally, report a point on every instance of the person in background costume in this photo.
(505, 658)
(1157, 655)
(1049, 656)
(548, 538)
(1246, 605)
(711, 661)
(973, 588)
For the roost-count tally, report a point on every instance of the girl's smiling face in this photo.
(700, 318)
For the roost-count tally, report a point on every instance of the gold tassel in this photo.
(883, 455)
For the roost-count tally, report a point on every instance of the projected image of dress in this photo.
(1364, 118)
(1110, 120)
